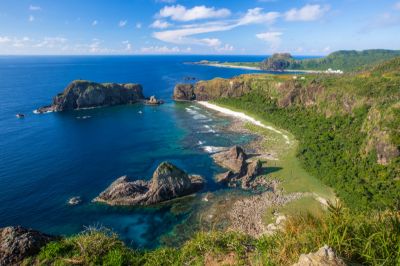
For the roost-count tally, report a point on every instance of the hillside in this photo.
(348, 127)
(343, 60)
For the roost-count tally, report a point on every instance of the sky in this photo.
(237, 27)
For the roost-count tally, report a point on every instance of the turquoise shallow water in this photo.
(46, 159)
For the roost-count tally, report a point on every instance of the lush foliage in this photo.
(330, 150)
(343, 60)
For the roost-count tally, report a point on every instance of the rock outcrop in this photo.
(240, 171)
(233, 159)
(153, 101)
(212, 89)
(85, 94)
(17, 243)
(168, 182)
(184, 92)
(325, 256)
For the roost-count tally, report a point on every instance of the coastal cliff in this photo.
(210, 90)
(85, 94)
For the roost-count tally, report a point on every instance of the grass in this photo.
(303, 206)
(287, 168)
(366, 239)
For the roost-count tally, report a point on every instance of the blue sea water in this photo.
(46, 159)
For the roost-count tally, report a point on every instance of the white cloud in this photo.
(256, 15)
(306, 13)
(327, 49)
(122, 23)
(181, 13)
(213, 42)
(159, 24)
(128, 46)
(95, 22)
(34, 8)
(225, 48)
(271, 37)
(138, 25)
(397, 6)
(31, 18)
(51, 42)
(4, 39)
(182, 35)
(160, 49)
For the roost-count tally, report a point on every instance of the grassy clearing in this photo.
(302, 206)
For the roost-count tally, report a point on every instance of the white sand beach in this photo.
(242, 116)
(232, 66)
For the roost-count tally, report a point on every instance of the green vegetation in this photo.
(330, 116)
(370, 239)
(342, 60)
(346, 60)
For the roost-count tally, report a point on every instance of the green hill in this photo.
(343, 60)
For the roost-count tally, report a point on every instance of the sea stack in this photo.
(85, 94)
(168, 182)
(240, 171)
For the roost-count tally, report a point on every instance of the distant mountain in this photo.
(343, 60)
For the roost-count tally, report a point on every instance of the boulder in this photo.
(253, 170)
(168, 182)
(240, 171)
(233, 159)
(325, 256)
(153, 101)
(184, 92)
(17, 243)
(224, 177)
(85, 94)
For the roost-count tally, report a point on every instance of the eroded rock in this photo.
(168, 182)
(18, 243)
(240, 171)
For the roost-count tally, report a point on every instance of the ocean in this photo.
(47, 159)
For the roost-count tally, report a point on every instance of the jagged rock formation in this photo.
(85, 94)
(240, 170)
(168, 182)
(153, 101)
(213, 89)
(17, 243)
(325, 256)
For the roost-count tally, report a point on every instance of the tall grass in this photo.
(364, 238)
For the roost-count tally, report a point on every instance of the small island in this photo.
(81, 94)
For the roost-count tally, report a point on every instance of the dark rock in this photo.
(85, 94)
(17, 243)
(168, 182)
(233, 159)
(184, 92)
(253, 170)
(241, 172)
(225, 177)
